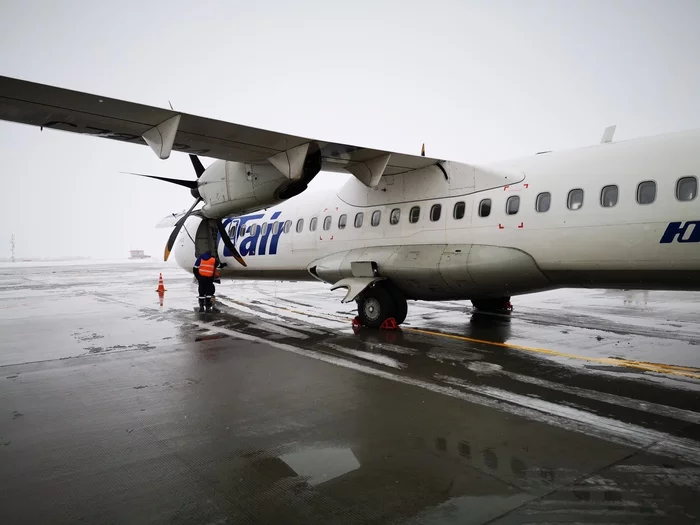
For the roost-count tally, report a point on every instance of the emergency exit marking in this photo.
(521, 225)
(500, 226)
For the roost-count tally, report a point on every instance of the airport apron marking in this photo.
(661, 368)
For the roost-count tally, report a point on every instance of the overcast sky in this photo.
(476, 81)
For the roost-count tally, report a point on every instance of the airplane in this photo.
(616, 215)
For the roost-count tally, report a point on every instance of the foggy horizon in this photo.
(476, 82)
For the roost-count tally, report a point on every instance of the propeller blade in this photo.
(176, 230)
(198, 167)
(186, 183)
(228, 243)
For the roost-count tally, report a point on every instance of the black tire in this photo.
(375, 306)
(401, 311)
(400, 304)
(492, 305)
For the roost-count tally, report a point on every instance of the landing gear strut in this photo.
(497, 305)
(379, 303)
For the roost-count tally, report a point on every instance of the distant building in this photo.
(138, 254)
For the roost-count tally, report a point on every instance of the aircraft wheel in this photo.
(500, 304)
(375, 306)
(399, 302)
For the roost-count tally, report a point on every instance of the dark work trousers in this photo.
(206, 287)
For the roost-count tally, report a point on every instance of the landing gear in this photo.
(497, 305)
(379, 303)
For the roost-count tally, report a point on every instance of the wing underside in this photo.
(51, 107)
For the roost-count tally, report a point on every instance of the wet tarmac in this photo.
(579, 407)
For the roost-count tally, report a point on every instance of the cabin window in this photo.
(312, 224)
(276, 228)
(575, 199)
(359, 218)
(376, 217)
(458, 211)
(395, 216)
(300, 225)
(327, 222)
(414, 215)
(342, 221)
(543, 201)
(435, 211)
(485, 208)
(608, 196)
(646, 192)
(287, 226)
(512, 205)
(254, 229)
(264, 228)
(686, 188)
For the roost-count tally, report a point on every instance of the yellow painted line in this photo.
(685, 371)
(660, 368)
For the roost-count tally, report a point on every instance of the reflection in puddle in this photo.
(320, 465)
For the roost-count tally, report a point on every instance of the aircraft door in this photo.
(205, 238)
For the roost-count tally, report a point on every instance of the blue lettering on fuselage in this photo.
(681, 232)
(253, 241)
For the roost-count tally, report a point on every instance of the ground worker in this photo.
(205, 270)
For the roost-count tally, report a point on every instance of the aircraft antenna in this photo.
(608, 134)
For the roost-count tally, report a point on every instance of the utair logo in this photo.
(680, 232)
(250, 239)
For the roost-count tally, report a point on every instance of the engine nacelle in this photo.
(230, 188)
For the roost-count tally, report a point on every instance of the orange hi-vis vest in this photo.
(207, 267)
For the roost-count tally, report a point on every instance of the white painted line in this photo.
(559, 416)
(613, 399)
(625, 433)
(367, 356)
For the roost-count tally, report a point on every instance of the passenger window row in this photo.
(266, 228)
(375, 219)
(686, 190)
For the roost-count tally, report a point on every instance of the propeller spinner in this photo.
(192, 185)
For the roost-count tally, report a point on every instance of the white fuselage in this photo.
(591, 245)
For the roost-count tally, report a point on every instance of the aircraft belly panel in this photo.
(500, 271)
(453, 267)
(415, 270)
(439, 271)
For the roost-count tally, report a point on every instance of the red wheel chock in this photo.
(509, 306)
(389, 324)
(356, 325)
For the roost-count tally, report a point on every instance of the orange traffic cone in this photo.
(161, 285)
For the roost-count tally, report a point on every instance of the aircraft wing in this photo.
(62, 109)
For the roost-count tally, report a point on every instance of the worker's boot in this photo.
(201, 306)
(208, 304)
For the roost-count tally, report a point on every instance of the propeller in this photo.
(193, 186)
